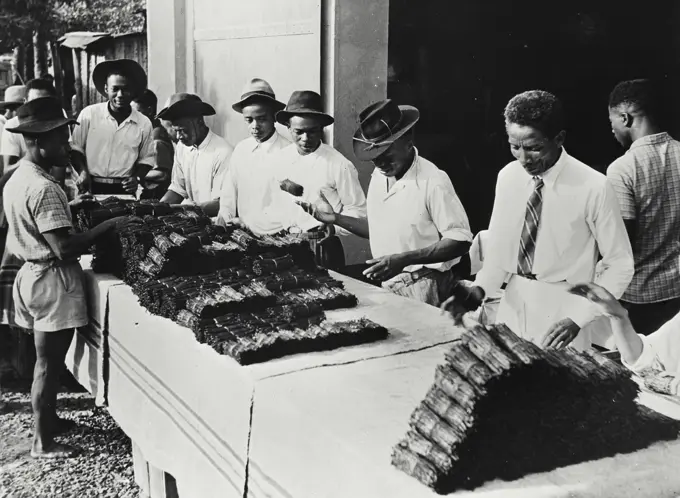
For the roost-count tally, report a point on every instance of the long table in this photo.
(313, 425)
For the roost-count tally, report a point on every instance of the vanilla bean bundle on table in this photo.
(502, 408)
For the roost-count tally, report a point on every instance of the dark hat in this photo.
(304, 103)
(258, 89)
(185, 105)
(40, 116)
(126, 67)
(380, 125)
(15, 96)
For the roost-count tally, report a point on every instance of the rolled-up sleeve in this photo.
(350, 193)
(79, 135)
(178, 182)
(50, 209)
(147, 151)
(220, 173)
(606, 224)
(446, 210)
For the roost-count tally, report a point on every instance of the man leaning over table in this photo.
(552, 217)
(201, 156)
(417, 227)
(49, 297)
(112, 147)
(247, 189)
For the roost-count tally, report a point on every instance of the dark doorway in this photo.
(460, 62)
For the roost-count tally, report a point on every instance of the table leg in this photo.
(153, 482)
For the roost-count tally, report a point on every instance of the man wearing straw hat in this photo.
(201, 156)
(113, 146)
(247, 190)
(314, 168)
(49, 296)
(417, 226)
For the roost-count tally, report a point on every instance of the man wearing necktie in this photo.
(552, 217)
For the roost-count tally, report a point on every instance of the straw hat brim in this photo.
(238, 106)
(40, 127)
(366, 152)
(126, 67)
(283, 117)
(186, 108)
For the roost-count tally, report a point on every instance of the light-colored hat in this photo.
(258, 89)
(15, 96)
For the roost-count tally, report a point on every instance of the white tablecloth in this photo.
(313, 425)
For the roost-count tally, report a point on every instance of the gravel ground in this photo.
(103, 467)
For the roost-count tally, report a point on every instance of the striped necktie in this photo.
(532, 219)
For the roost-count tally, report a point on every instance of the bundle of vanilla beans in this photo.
(501, 408)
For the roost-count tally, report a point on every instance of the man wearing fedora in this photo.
(15, 96)
(417, 227)
(112, 147)
(247, 191)
(49, 297)
(201, 156)
(319, 169)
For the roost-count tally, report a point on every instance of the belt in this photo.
(110, 181)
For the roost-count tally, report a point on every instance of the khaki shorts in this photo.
(49, 297)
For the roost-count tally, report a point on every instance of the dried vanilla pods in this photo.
(501, 408)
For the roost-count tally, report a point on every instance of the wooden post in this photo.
(58, 75)
(39, 54)
(18, 55)
(78, 82)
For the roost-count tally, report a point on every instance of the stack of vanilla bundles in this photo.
(502, 408)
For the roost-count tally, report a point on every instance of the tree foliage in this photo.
(19, 19)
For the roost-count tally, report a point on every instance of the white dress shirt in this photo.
(325, 170)
(249, 183)
(198, 172)
(580, 219)
(12, 144)
(112, 149)
(416, 211)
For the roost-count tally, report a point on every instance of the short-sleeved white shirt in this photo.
(198, 172)
(112, 149)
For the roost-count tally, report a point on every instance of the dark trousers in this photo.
(647, 318)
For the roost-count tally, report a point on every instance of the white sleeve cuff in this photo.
(646, 360)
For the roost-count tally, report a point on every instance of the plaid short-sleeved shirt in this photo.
(647, 184)
(34, 204)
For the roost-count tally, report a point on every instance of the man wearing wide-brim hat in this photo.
(312, 168)
(49, 296)
(417, 227)
(113, 146)
(248, 188)
(201, 157)
(15, 96)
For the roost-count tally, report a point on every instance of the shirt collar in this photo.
(550, 177)
(39, 170)
(134, 116)
(411, 175)
(206, 141)
(267, 144)
(654, 139)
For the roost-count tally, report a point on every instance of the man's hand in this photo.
(600, 297)
(385, 267)
(84, 181)
(81, 199)
(463, 299)
(560, 334)
(130, 185)
(321, 210)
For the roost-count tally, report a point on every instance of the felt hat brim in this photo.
(238, 106)
(185, 109)
(283, 117)
(40, 127)
(127, 67)
(6, 105)
(367, 152)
